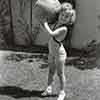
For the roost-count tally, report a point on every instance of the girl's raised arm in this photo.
(48, 28)
(56, 32)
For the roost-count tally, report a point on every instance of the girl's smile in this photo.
(64, 18)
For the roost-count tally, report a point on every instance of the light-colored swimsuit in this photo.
(57, 51)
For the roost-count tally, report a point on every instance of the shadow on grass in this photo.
(17, 92)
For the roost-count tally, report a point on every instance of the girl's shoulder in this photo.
(62, 29)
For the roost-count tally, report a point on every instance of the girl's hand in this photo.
(42, 22)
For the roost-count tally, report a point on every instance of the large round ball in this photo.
(46, 9)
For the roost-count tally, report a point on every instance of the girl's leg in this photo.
(61, 75)
(52, 70)
(60, 61)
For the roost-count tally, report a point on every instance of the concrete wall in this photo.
(21, 21)
(87, 26)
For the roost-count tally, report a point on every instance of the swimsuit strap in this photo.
(54, 37)
(57, 41)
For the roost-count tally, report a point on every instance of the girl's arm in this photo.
(57, 31)
(46, 26)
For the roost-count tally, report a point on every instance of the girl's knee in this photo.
(62, 77)
(60, 73)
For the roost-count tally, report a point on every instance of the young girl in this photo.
(57, 53)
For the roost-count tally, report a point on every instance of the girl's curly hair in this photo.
(66, 6)
(68, 9)
(72, 14)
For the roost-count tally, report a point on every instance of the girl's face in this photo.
(64, 18)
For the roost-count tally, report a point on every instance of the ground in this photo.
(23, 76)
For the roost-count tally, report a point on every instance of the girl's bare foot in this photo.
(48, 91)
(62, 95)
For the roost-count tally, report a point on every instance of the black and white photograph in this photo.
(49, 49)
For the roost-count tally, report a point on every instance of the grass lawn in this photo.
(23, 76)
